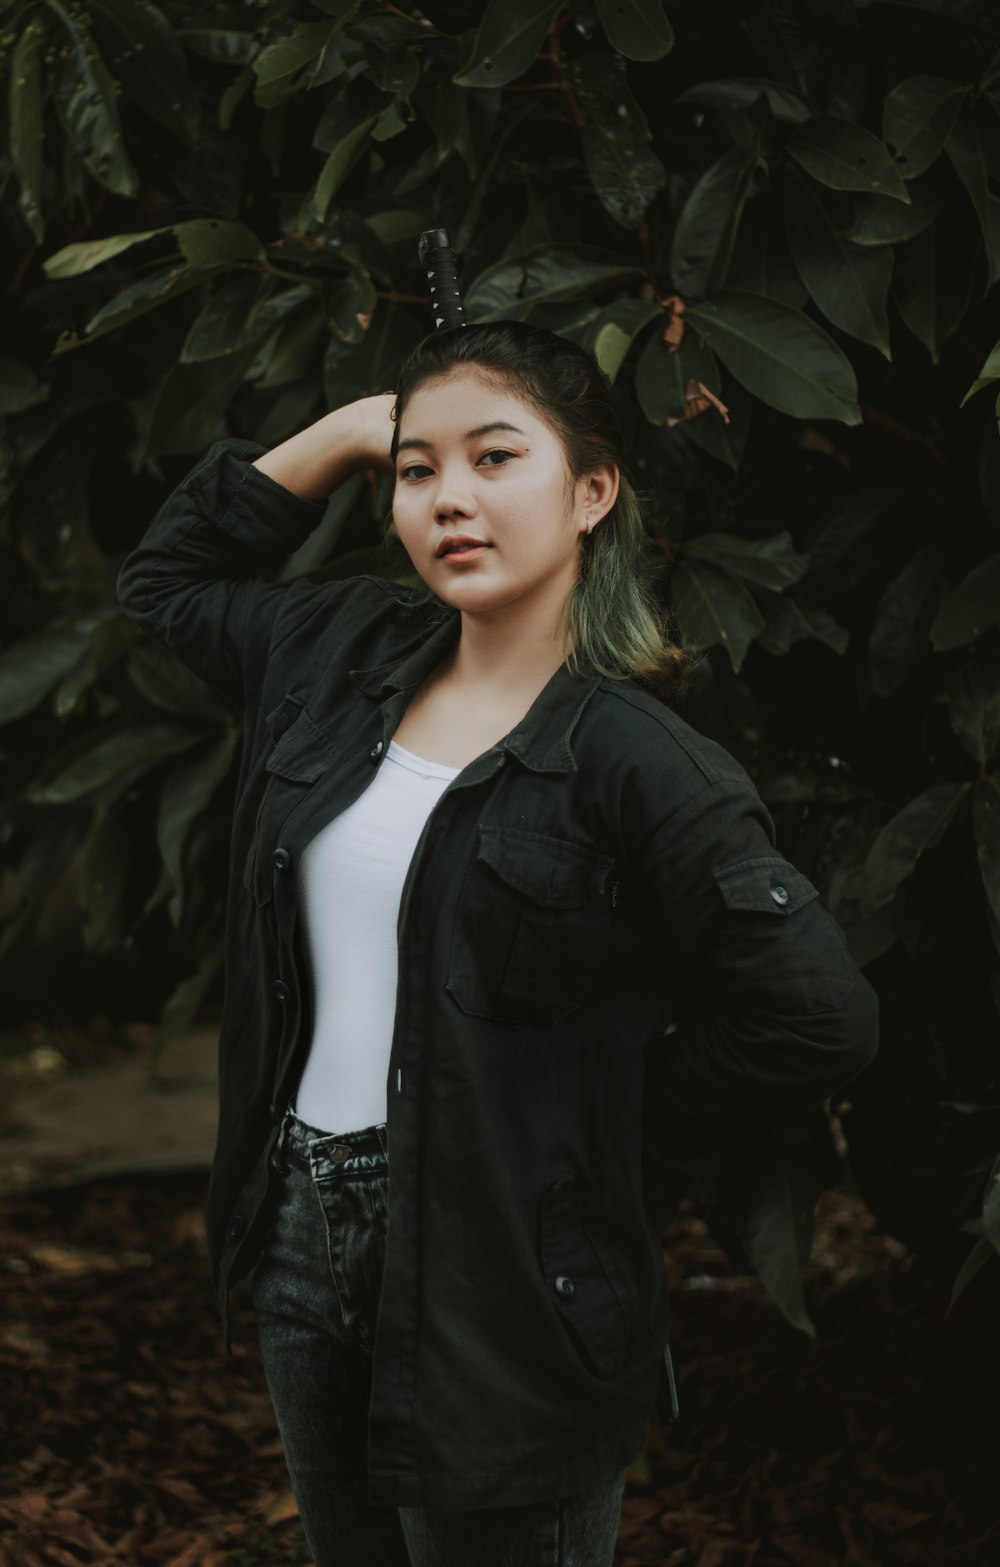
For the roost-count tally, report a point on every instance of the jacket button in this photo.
(376, 751)
(780, 894)
(281, 990)
(564, 1286)
(281, 859)
(236, 1226)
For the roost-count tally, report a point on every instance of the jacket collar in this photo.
(541, 740)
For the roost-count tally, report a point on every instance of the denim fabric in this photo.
(316, 1295)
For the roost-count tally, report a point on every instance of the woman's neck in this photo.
(506, 658)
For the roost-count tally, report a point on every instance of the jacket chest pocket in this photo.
(528, 928)
(296, 760)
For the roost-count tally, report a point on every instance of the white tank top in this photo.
(350, 880)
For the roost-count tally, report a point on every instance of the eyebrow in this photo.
(470, 435)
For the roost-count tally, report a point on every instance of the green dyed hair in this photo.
(613, 621)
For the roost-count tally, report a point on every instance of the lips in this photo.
(460, 543)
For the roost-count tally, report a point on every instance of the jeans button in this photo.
(281, 859)
(236, 1226)
(564, 1286)
(281, 990)
(376, 751)
(779, 894)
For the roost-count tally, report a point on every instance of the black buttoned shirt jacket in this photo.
(603, 962)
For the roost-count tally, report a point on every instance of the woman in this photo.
(505, 935)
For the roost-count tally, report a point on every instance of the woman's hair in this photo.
(612, 621)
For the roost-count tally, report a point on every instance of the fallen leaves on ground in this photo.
(132, 1442)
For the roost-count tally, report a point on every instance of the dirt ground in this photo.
(127, 1437)
(131, 1439)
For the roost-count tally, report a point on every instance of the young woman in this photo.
(505, 937)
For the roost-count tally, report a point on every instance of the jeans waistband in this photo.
(329, 1153)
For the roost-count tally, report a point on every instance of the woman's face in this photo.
(477, 466)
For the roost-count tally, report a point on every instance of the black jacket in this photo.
(600, 874)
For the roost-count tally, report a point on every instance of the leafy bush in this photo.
(779, 230)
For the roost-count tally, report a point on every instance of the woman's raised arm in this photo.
(197, 581)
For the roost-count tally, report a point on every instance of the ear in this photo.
(596, 493)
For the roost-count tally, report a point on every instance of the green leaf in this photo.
(986, 831)
(104, 876)
(233, 97)
(878, 220)
(26, 87)
(279, 67)
(761, 261)
(186, 1002)
(137, 38)
(32, 667)
(933, 280)
(216, 242)
(964, 148)
(974, 707)
(227, 321)
(662, 375)
(706, 228)
(169, 685)
(775, 1202)
(51, 848)
(625, 176)
(615, 330)
(790, 620)
(771, 562)
(89, 106)
(898, 641)
(638, 29)
(917, 118)
(393, 70)
(987, 375)
(509, 289)
(742, 92)
(510, 35)
(187, 789)
(844, 156)
(708, 430)
(367, 368)
(971, 608)
(339, 164)
(779, 355)
(117, 756)
(991, 1206)
(20, 387)
(982, 1253)
(711, 608)
(74, 259)
(349, 305)
(224, 45)
(894, 855)
(136, 300)
(849, 283)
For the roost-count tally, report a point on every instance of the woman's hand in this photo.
(313, 463)
(375, 429)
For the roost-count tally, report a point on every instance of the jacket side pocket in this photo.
(578, 1281)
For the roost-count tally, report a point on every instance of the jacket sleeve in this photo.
(197, 581)
(774, 1014)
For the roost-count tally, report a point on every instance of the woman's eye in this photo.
(497, 451)
(408, 473)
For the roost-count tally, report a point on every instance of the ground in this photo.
(132, 1440)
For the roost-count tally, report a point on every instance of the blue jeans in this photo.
(316, 1294)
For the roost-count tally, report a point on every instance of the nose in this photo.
(454, 496)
